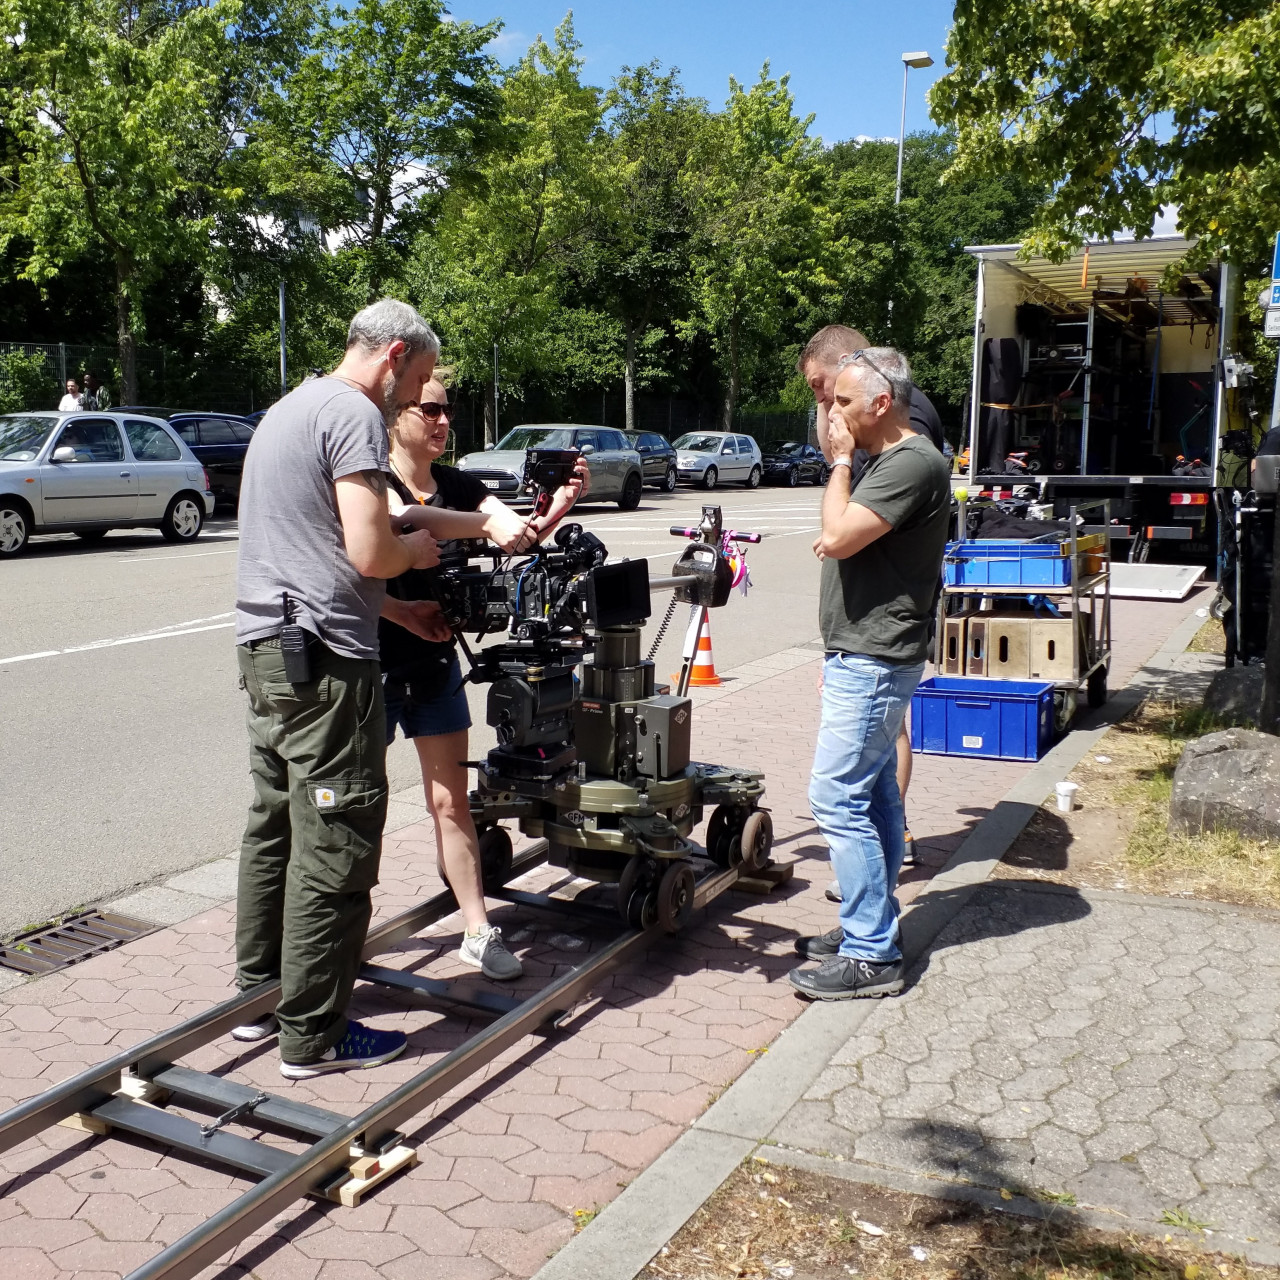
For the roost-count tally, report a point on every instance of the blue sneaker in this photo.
(360, 1048)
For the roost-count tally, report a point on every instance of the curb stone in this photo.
(620, 1241)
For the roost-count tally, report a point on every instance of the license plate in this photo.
(491, 484)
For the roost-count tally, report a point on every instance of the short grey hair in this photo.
(886, 368)
(390, 320)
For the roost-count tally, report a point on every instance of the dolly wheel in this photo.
(628, 882)
(495, 857)
(722, 829)
(675, 897)
(642, 908)
(757, 840)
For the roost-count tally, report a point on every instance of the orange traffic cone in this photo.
(704, 666)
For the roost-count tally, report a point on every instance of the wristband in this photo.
(843, 462)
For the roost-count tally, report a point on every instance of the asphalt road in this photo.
(122, 746)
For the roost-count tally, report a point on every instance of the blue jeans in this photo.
(853, 794)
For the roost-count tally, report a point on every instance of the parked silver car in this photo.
(709, 458)
(85, 473)
(611, 458)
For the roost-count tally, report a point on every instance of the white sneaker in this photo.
(487, 952)
(251, 1032)
(833, 892)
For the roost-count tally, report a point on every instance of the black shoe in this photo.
(819, 948)
(842, 978)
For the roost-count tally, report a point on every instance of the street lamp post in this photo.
(909, 60)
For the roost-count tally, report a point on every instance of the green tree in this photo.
(112, 108)
(637, 259)
(1118, 109)
(390, 106)
(758, 248)
(493, 270)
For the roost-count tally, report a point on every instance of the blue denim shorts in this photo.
(446, 713)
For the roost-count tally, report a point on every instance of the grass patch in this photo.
(1120, 836)
(774, 1222)
(1209, 639)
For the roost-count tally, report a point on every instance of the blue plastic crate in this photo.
(992, 719)
(1007, 564)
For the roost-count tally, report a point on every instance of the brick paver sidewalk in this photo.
(558, 1125)
(1119, 1049)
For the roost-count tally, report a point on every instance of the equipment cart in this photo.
(1036, 609)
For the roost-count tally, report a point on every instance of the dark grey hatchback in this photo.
(657, 459)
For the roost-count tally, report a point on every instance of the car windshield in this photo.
(694, 443)
(537, 438)
(781, 448)
(21, 438)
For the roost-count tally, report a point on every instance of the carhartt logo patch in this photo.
(325, 798)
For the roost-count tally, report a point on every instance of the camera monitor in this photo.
(618, 594)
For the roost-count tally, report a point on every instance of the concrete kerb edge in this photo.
(630, 1230)
(1023, 1206)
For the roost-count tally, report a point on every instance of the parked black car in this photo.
(657, 459)
(220, 441)
(791, 463)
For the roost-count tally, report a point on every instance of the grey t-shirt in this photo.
(290, 535)
(877, 602)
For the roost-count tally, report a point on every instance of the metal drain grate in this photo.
(77, 938)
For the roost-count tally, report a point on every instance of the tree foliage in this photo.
(1118, 109)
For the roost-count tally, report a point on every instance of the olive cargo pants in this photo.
(317, 754)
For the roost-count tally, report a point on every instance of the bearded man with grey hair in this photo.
(881, 550)
(316, 548)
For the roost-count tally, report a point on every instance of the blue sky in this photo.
(844, 57)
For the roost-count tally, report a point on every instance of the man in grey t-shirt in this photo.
(881, 550)
(315, 528)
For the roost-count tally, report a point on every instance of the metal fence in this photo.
(165, 378)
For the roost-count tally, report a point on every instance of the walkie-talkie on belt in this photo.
(293, 647)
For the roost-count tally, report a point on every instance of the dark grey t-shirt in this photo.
(290, 535)
(877, 601)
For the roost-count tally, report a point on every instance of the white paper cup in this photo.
(1066, 796)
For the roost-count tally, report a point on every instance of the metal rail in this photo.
(372, 1133)
(97, 1084)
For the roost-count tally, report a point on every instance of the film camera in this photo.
(592, 753)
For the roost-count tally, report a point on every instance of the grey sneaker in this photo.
(487, 952)
(842, 978)
(251, 1032)
(822, 946)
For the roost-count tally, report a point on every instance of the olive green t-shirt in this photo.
(877, 601)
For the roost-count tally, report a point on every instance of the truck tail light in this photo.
(1189, 499)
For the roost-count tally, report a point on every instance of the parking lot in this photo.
(121, 724)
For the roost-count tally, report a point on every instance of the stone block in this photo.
(1235, 694)
(1229, 779)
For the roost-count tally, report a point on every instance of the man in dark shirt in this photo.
(819, 362)
(881, 548)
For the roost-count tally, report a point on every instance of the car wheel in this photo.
(15, 528)
(709, 478)
(184, 519)
(824, 474)
(669, 480)
(91, 535)
(753, 480)
(793, 477)
(631, 491)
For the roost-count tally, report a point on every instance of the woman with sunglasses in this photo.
(421, 674)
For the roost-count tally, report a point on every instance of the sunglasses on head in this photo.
(433, 409)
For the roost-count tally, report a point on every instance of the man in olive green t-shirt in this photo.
(881, 550)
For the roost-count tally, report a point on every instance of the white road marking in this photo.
(230, 551)
(161, 633)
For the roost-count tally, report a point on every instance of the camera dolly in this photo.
(593, 754)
